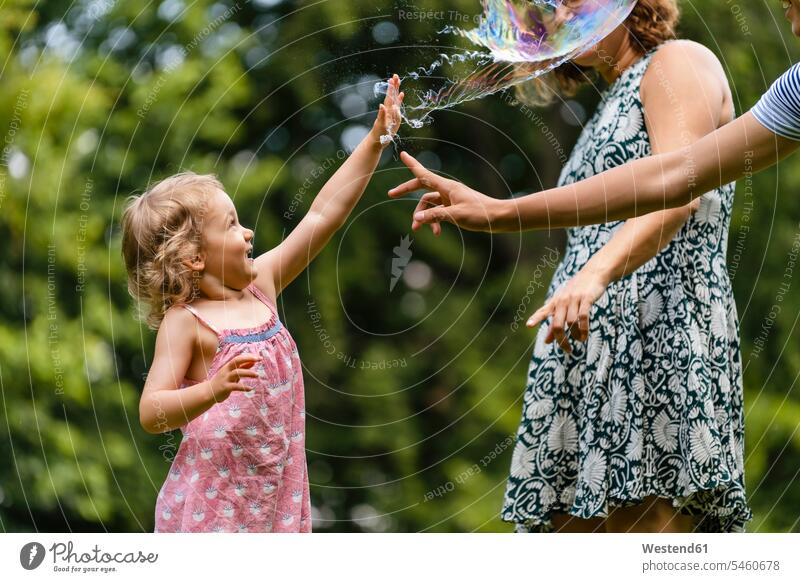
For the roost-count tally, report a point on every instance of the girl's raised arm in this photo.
(335, 201)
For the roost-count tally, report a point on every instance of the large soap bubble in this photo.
(519, 40)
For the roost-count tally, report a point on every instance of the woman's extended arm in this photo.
(668, 180)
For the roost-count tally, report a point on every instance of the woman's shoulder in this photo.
(677, 67)
(683, 53)
(685, 46)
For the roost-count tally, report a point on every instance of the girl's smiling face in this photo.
(227, 245)
(792, 8)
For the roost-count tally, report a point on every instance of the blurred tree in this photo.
(413, 391)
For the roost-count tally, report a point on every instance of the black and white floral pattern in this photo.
(651, 404)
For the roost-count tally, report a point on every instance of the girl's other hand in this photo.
(570, 306)
(228, 379)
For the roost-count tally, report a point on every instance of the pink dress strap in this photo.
(260, 295)
(200, 318)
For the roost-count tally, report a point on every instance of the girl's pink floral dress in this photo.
(241, 466)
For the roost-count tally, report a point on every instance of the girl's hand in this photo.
(227, 379)
(570, 307)
(446, 201)
(389, 118)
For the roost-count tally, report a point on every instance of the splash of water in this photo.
(518, 40)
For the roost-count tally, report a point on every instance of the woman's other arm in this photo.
(685, 96)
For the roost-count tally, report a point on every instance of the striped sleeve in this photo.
(779, 109)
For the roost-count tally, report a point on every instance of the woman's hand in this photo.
(388, 121)
(570, 307)
(446, 201)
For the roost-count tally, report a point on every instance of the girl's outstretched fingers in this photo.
(244, 360)
(394, 98)
(228, 378)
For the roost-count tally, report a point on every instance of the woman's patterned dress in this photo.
(651, 404)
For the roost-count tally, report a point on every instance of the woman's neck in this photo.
(613, 63)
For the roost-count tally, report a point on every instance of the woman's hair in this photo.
(650, 23)
(161, 229)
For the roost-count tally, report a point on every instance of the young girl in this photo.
(225, 370)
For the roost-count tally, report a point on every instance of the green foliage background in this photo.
(90, 113)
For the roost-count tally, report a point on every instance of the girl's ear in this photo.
(196, 263)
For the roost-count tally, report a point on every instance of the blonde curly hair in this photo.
(650, 23)
(161, 229)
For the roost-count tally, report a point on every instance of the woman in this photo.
(648, 414)
(646, 418)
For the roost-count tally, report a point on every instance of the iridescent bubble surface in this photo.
(517, 40)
